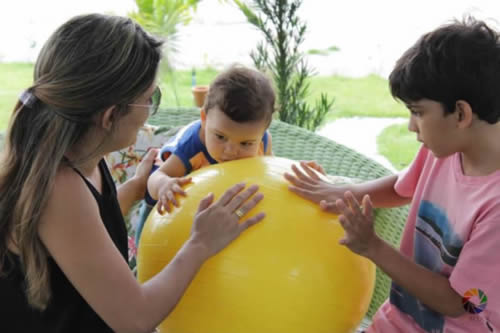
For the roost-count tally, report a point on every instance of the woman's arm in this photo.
(76, 238)
(135, 188)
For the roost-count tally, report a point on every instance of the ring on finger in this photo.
(239, 213)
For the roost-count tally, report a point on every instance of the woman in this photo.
(63, 242)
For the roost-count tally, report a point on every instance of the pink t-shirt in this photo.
(453, 228)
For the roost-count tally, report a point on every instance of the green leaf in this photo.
(279, 53)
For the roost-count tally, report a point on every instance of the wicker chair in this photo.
(300, 144)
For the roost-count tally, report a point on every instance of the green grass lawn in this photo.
(363, 97)
(398, 145)
(176, 87)
(14, 78)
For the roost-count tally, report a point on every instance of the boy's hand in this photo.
(310, 186)
(168, 191)
(357, 222)
(314, 165)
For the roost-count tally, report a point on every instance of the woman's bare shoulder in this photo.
(69, 198)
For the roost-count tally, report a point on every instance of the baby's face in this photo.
(227, 140)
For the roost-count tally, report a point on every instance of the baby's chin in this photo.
(222, 160)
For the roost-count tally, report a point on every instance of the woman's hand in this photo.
(142, 172)
(307, 184)
(357, 221)
(217, 224)
(168, 191)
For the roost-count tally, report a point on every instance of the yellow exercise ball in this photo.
(285, 274)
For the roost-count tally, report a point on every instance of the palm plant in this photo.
(163, 18)
(280, 54)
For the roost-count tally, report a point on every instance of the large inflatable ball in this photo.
(286, 274)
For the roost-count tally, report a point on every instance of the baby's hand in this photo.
(167, 192)
(314, 165)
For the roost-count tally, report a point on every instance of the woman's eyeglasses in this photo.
(155, 102)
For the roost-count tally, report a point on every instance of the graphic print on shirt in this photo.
(436, 247)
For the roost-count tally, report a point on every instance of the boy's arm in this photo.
(381, 192)
(309, 186)
(433, 289)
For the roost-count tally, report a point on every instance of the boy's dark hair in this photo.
(243, 94)
(458, 61)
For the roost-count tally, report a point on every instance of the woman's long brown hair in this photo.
(89, 64)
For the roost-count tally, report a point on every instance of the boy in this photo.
(234, 120)
(450, 82)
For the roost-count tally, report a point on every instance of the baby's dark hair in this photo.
(458, 61)
(243, 94)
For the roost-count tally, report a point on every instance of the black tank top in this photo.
(67, 310)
